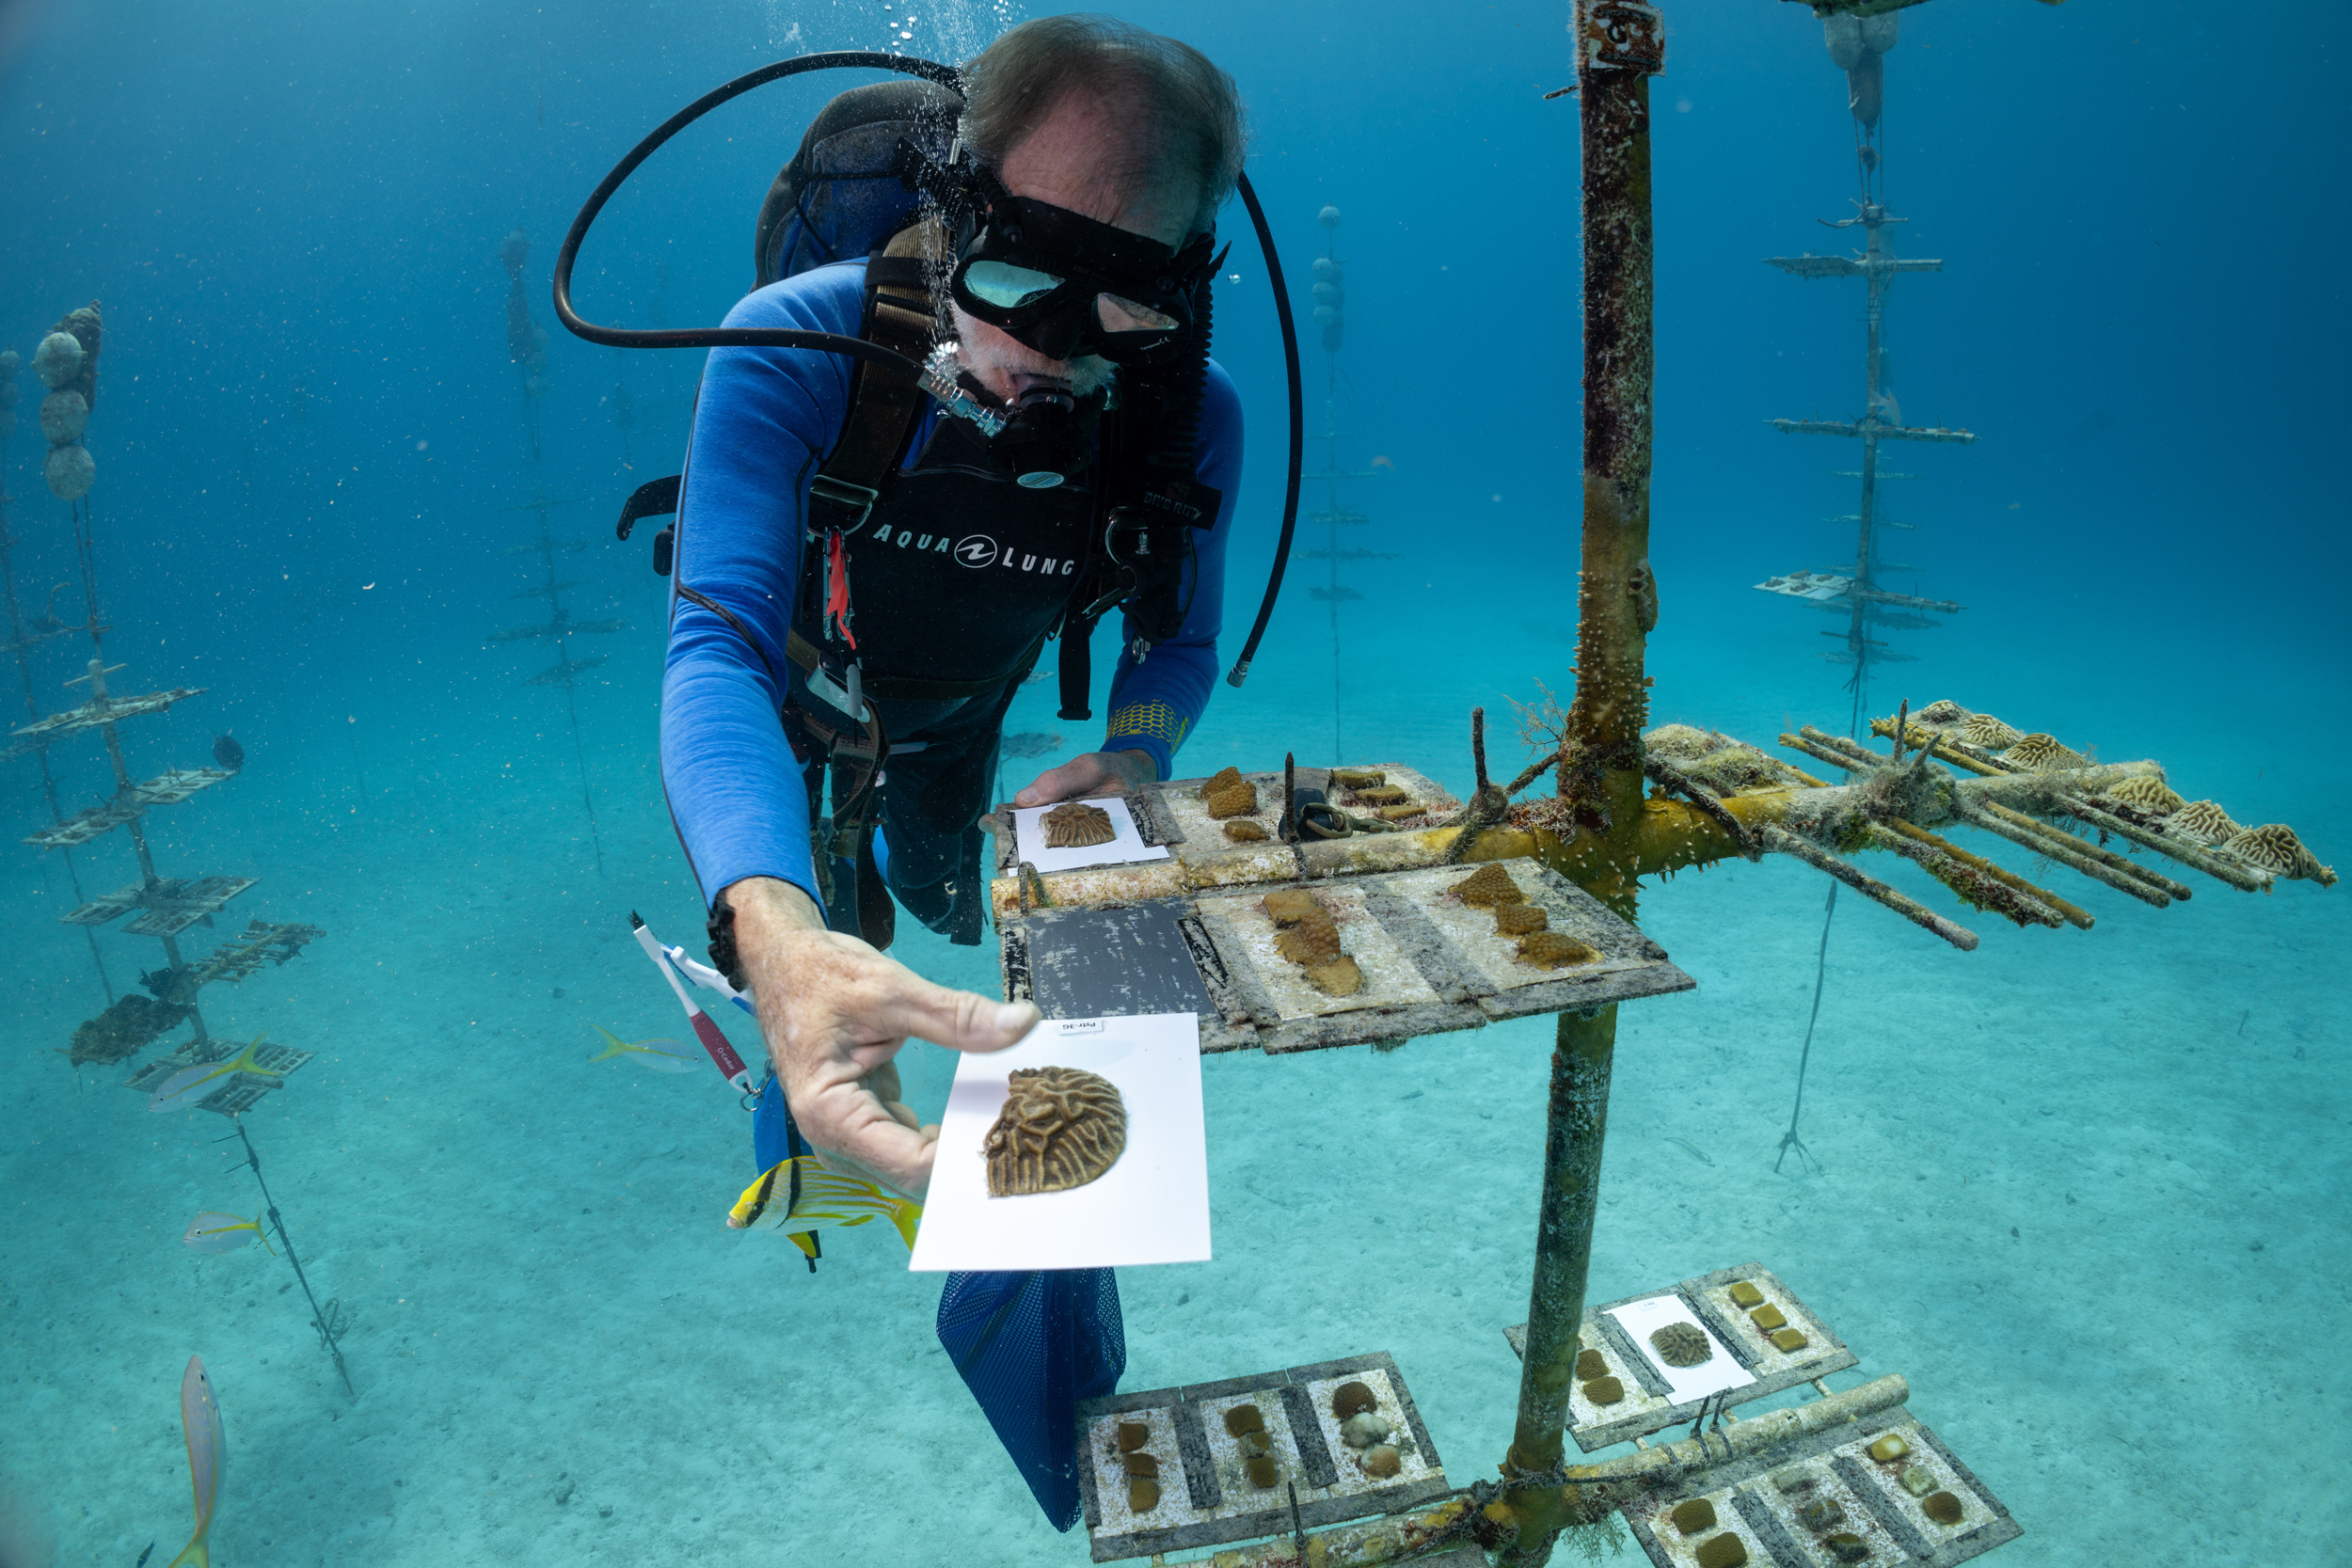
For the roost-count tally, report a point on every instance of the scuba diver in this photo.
(967, 411)
(880, 567)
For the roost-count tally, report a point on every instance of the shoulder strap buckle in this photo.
(855, 501)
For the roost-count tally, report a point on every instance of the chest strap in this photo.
(885, 400)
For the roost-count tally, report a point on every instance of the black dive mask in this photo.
(1058, 282)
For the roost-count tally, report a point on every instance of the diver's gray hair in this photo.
(1189, 134)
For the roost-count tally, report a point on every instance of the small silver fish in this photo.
(190, 1086)
(216, 1231)
(661, 1055)
(208, 1456)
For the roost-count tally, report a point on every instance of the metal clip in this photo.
(939, 380)
(847, 700)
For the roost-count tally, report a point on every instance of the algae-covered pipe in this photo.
(1619, 46)
(1668, 835)
(1576, 1123)
(1737, 1439)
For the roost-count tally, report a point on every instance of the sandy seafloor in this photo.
(2086, 1191)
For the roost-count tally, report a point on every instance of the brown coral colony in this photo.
(1142, 1470)
(1487, 887)
(1229, 795)
(1306, 934)
(1238, 799)
(1060, 1128)
(1682, 1345)
(1078, 826)
(1552, 950)
(1517, 920)
(1490, 887)
(1246, 1424)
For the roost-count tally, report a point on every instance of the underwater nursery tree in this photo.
(1629, 804)
(162, 906)
(527, 346)
(1330, 297)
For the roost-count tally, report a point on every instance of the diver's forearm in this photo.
(765, 908)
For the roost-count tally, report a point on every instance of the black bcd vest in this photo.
(956, 574)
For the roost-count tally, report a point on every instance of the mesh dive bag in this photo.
(774, 1140)
(1030, 1346)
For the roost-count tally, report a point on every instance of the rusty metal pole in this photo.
(1576, 1121)
(1620, 45)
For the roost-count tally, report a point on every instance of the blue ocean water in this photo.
(2086, 1189)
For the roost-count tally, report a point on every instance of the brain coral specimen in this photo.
(1078, 826)
(1682, 1345)
(2151, 795)
(1060, 1128)
(1945, 711)
(2275, 847)
(2043, 753)
(2205, 821)
(1990, 733)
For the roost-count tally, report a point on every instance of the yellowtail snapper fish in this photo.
(190, 1085)
(215, 1231)
(208, 1457)
(799, 1197)
(661, 1055)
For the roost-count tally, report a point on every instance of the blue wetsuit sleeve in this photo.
(762, 421)
(1155, 703)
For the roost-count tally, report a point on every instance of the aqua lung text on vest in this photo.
(978, 550)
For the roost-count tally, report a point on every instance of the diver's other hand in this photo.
(1096, 773)
(834, 1012)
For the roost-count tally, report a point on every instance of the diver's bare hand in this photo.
(1095, 774)
(834, 1012)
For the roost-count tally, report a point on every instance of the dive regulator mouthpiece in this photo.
(939, 380)
(1041, 443)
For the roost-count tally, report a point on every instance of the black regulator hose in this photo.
(1181, 388)
(730, 336)
(1298, 437)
